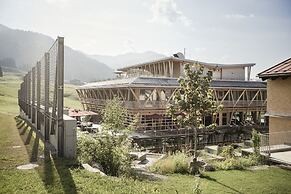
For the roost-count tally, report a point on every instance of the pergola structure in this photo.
(150, 96)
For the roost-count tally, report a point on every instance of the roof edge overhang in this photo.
(265, 76)
(130, 83)
(210, 65)
(157, 86)
(274, 76)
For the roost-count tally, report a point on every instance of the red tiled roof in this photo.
(280, 70)
(79, 113)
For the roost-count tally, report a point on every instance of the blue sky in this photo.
(224, 31)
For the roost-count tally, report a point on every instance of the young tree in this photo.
(193, 101)
(114, 117)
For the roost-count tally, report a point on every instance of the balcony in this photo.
(143, 104)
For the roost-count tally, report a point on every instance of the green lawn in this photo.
(71, 97)
(9, 85)
(62, 176)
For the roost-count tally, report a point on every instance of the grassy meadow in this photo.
(64, 176)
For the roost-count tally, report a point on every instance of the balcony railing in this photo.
(243, 103)
(143, 104)
(275, 142)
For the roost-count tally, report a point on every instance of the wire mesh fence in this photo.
(275, 142)
(41, 94)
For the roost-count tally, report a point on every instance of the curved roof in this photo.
(166, 59)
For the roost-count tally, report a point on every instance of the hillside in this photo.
(118, 61)
(26, 47)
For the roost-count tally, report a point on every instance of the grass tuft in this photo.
(175, 163)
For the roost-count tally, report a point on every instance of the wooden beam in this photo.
(225, 96)
(254, 97)
(133, 93)
(120, 93)
(239, 98)
(231, 93)
(172, 95)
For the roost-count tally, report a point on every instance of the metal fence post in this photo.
(46, 97)
(29, 94)
(33, 95)
(60, 95)
(38, 82)
(23, 94)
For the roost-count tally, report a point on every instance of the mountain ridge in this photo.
(78, 65)
(14, 44)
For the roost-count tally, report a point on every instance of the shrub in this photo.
(175, 163)
(106, 151)
(227, 151)
(256, 139)
(110, 148)
(238, 163)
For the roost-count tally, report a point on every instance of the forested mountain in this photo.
(22, 49)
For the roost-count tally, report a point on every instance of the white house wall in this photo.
(230, 74)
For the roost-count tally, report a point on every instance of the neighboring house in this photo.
(279, 102)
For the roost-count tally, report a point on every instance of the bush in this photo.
(238, 163)
(256, 139)
(176, 163)
(110, 153)
(227, 151)
(109, 149)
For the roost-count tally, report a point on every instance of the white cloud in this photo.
(238, 16)
(166, 12)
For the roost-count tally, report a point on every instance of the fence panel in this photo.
(40, 96)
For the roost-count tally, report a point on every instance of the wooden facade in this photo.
(147, 89)
(174, 67)
(243, 101)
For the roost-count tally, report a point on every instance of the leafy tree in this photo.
(193, 101)
(114, 117)
(1, 72)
